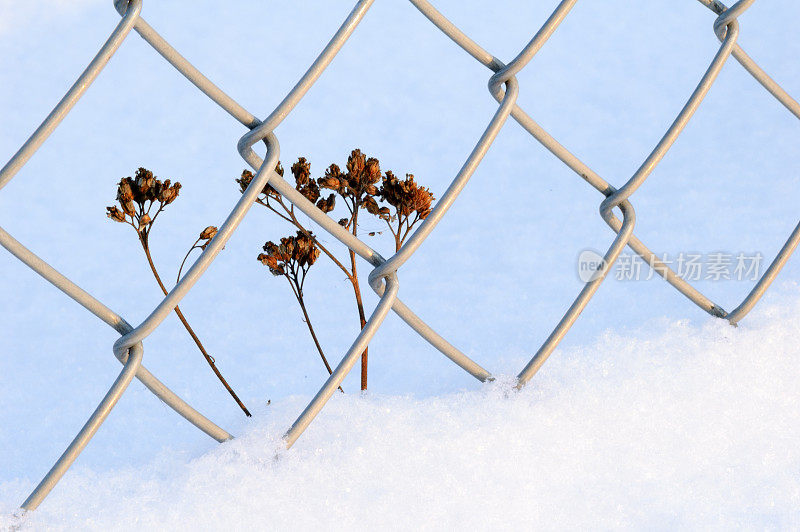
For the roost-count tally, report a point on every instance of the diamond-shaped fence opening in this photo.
(503, 86)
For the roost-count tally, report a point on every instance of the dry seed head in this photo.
(247, 177)
(144, 180)
(406, 196)
(301, 170)
(129, 207)
(371, 205)
(169, 193)
(331, 183)
(115, 214)
(294, 253)
(245, 180)
(356, 163)
(208, 233)
(136, 195)
(326, 205)
(124, 190)
(310, 190)
(372, 171)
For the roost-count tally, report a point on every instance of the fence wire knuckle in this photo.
(503, 86)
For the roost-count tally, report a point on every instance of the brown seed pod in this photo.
(301, 170)
(115, 214)
(208, 233)
(129, 207)
(124, 190)
(326, 205)
(356, 163)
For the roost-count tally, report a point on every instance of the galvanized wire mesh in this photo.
(503, 86)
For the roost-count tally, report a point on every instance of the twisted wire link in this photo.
(383, 279)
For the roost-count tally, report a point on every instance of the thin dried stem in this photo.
(183, 262)
(211, 362)
(298, 294)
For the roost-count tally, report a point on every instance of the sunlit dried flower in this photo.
(208, 233)
(115, 214)
(124, 191)
(326, 205)
(136, 197)
(168, 193)
(292, 257)
(371, 205)
(144, 181)
(372, 171)
(301, 170)
(332, 179)
(356, 163)
(406, 196)
(269, 192)
(310, 191)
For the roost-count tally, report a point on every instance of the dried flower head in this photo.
(310, 191)
(115, 214)
(292, 257)
(268, 192)
(205, 236)
(301, 170)
(333, 179)
(406, 196)
(136, 197)
(362, 174)
(326, 205)
(208, 233)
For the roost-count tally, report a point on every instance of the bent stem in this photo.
(183, 262)
(211, 362)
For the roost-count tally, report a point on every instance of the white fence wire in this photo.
(503, 86)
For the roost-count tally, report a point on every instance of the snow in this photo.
(670, 426)
(650, 414)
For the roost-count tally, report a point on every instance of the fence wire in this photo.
(383, 279)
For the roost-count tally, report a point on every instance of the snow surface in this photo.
(649, 415)
(671, 426)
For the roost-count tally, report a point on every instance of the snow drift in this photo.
(672, 425)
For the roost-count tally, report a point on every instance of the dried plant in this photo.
(361, 186)
(292, 259)
(137, 199)
(409, 203)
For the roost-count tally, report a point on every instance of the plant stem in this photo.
(209, 358)
(359, 303)
(299, 295)
(183, 263)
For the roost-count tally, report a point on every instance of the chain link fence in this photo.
(383, 278)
